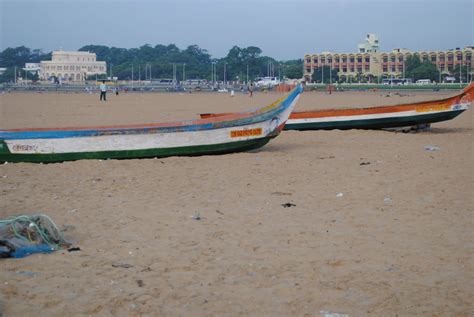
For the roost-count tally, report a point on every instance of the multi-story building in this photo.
(71, 66)
(368, 62)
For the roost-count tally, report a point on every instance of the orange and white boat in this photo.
(382, 117)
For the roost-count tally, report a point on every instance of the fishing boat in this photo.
(383, 117)
(224, 134)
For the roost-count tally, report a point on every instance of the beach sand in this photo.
(380, 226)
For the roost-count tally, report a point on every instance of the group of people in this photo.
(103, 91)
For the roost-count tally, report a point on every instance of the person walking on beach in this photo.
(251, 89)
(103, 91)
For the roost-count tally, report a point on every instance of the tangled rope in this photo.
(33, 229)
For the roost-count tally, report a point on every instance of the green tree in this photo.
(324, 75)
(411, 63)
(460, 72)
(416, 69)
(8, 75)
(292, 69)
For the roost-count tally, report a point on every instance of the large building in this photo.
(71, 66)
(368, 62)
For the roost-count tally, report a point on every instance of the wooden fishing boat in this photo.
(384, 117)
(224, 134)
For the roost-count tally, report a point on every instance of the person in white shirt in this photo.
(103, 91)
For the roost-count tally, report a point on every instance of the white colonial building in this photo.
(71, 66)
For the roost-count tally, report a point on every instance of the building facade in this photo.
(71, 66)
(368, 62)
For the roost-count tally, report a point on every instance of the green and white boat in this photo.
(225, 134)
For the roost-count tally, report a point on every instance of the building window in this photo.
(337, 59)
(367, 59)
(367, 68)
(433, 58)
(315, 60)
(385, 69)
(352, 69)
(344, 69)
(359, 59)
(308, 60)
(351, 59)
(359, 69)
(393, 68)
(385, 59)
(308, 70)
(392, 59)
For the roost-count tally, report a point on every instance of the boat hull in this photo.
(382, 117)
(226, 134)
(371, 123)
(197, 150)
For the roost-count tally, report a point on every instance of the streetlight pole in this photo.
(403, 60)
(184, 72)
(330, 73)
(225, 78)
(247, 73)
(322, 72)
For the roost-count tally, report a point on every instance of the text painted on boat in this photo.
(247, 132)
(24, 148)
(429, 108)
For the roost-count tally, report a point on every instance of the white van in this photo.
(266, 81)
(423, 82)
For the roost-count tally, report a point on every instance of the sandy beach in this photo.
(379, 227)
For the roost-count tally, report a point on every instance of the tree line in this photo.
(157, 62)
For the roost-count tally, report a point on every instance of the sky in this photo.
(283, 29)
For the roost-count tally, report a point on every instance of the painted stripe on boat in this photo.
(414, 113)
(239, 119)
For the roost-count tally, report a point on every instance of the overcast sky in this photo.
(282, 29)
